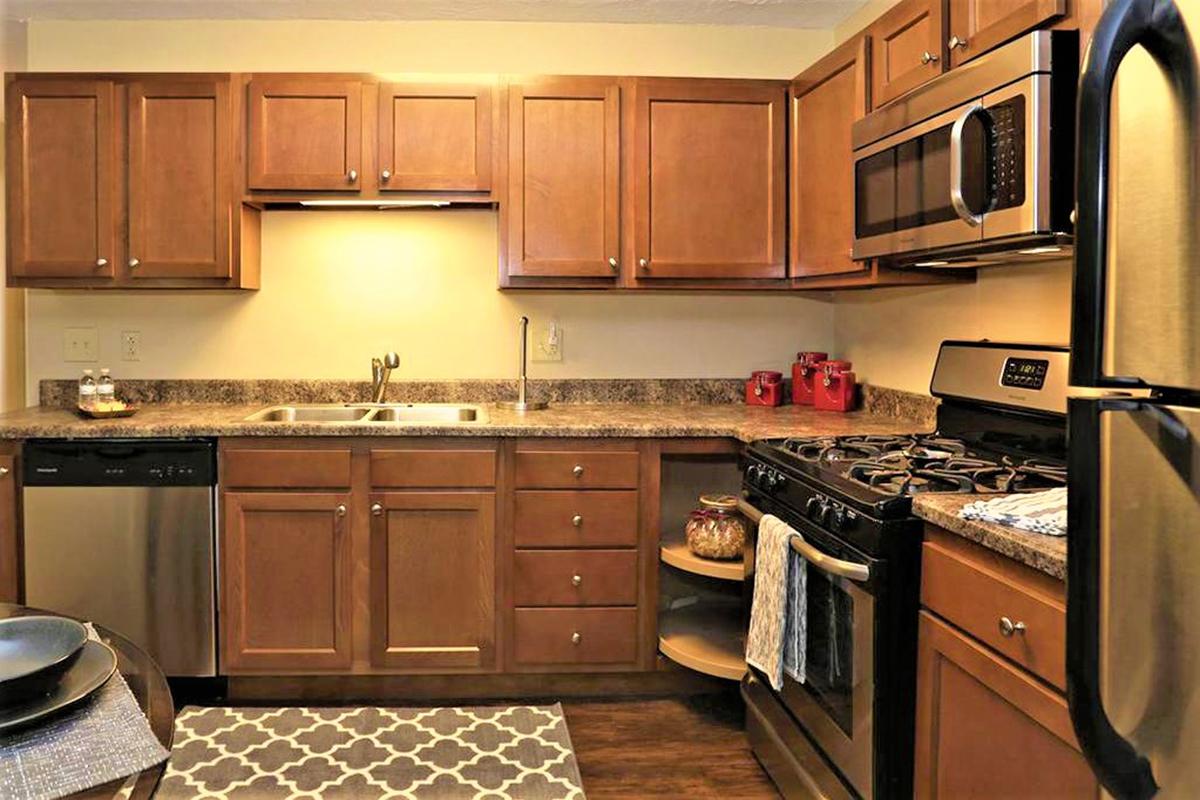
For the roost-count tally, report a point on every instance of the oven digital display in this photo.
(1024, 373)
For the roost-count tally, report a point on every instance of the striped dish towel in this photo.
(1037, 512)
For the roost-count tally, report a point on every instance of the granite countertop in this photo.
(1047, 554)
(745, 423)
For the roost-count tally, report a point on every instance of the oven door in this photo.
(836, 705)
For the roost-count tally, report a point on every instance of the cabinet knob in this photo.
(385, 176)
(644, 265)
(352, 175)
(377, 509)
(340, 510)
(577, 471)
(577, 520)
(101, 262)
(956, 42)
(928, 57)
(576, 580)
(3, 471)
(133, 263)
(612, 262)
(1008, 628)
(576, 637)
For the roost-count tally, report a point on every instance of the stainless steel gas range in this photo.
(1001, 428)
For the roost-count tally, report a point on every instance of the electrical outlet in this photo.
(547, 340)
(79, 344)
(131, 345)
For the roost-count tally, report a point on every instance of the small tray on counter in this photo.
(116, 413)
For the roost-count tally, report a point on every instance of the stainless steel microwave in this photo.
(976, 166)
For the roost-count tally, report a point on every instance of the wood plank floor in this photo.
(679, 747)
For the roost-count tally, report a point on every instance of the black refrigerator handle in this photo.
(1124, 772)
(1157, 26)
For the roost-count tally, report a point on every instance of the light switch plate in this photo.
(79, 344)
(546, 340)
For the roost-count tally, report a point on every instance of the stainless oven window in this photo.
(830, 648)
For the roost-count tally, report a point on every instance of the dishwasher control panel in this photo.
(120, 462)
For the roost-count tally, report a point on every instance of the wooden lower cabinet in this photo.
(286, 569)
(432, 574)
(10, 550)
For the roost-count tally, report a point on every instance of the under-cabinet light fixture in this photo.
(932, 264)
(1041, 251)
(382, 205)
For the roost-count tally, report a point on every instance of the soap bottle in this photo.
(87, 391)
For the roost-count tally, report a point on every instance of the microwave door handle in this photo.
(1158, 26)
(956, 168)
(826, 563)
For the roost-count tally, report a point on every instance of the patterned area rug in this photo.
(341, 753)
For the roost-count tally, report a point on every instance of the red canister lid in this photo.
(835, 367)
(811, 357)
(766, 376)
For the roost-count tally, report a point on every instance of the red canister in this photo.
(804, 375)
(765, 388)
(835, 388)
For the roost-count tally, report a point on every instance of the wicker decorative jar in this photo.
(716, 529)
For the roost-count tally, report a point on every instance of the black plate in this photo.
(34, 652)
(92, 669)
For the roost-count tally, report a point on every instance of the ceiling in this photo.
(773, 13)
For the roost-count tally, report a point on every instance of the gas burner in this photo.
(895, 474)
(934, 447)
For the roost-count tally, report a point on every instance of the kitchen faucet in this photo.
(381, 370)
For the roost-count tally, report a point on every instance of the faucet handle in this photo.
(391, 360)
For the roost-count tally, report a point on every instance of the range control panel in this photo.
(1024, 373)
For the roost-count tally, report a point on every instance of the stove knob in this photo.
(753, 472)
(836, 519)
(814, 508)
(774, 479)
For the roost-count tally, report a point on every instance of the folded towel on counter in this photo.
(777, 637)
(1037, 512)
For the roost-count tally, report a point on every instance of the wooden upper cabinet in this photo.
(562, 214)
(286, 595)
(61, 221)
(826, 100)
(976, 26)
(180, 179)
(985, 728)
(907, 47)
(435, 138)
(709, 174)
(304, 134)
(433, 561)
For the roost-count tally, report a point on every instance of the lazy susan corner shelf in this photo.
(705, 638)
(677, 554)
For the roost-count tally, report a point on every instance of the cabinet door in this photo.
(285, 582)
(180, 179)
(826, 100)
(433, 557)
(986, 728)
(10, 550)
(60, 179)
(435, 138)
(710, 179)
(304, 134)
(564, 179)
(906, 48)
(977, 26)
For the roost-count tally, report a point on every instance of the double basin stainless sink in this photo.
(384, 414)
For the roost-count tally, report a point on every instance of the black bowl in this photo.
(34, 653)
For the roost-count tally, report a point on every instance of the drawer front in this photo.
(430, 469)
(979, 595)
(554, 469)
(576, 519)
(575, 636)
(576, 578)
(282, 469)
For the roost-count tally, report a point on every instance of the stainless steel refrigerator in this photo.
(1133, 605)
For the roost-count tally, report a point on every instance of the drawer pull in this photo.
(1008, 627)
(576, 637)
(576, 580)
(577, 471)
(577, 521)
(3, 471)
(377, 509)
(340, 510)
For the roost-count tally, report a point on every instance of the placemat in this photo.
(103, 738)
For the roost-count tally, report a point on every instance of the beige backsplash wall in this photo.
(339, 287)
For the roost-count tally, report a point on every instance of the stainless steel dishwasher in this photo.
(121, 532)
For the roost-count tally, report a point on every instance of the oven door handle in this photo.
(822, 561)
(956, 168)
